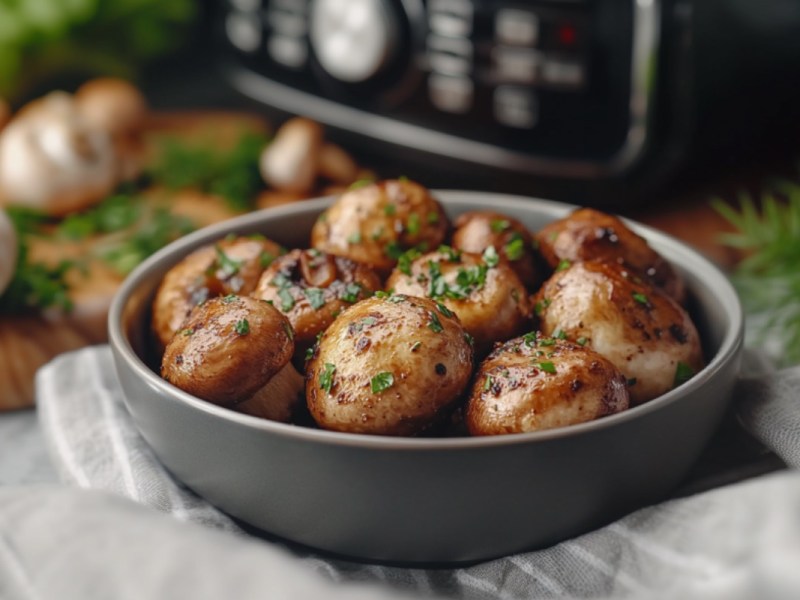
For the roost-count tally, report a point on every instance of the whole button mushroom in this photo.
(485, 293)
(389, 365)
(290, 162)
(376, 223)
(119, 108)
(533, 383)
(475, 231)
(230, 266)
(638, 327)
(311, 288)
(591, 235)
(52, 160)
(235, 351)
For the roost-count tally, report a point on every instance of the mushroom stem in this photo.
(278, 398)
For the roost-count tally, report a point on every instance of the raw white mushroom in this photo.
(113, 105)
(290, 162)
(52, 160)
(8, 251)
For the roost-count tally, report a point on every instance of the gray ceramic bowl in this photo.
(427, 500)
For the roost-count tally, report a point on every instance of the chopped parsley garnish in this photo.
(351, 292)
(389, 210)
(683, 373)
(515, 248)
(413, 224)
(229, 298)
(547, 367)
(415, 346)
(115, 213)
(560, 334)
(433, 218)
(581, 341)
(316, 297)
(287, 300)
(435, 324)
(487, 383)
(444, 310)
(641, 298)
(540, 306)
(394, 250)
(265, 259)
(405, 260)
(469, 339)
(326, 377)
(452, 254)
(242, 327)
(187, 332)
(381, 382)
(229, 266)
(287, 327)
(529, 339)
(360, 184)
(377, 234)
(355, 238)
(490, 257)
(499, 225)
(563, 265)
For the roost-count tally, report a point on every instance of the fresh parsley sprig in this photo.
(768, 278)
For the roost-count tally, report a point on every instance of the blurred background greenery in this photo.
(52, 43)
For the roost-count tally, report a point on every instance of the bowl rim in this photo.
(713, 278)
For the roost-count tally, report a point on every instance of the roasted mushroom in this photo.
(638, 327)
(533, 383)
(376, 223)
(311, 288)
(589, 234)
(485, 293)
(388, 365)
(234, 351)
(8, 251)
(477, 230)
(290, 162)
(231, 266)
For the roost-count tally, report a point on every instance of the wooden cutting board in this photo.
(29, 341)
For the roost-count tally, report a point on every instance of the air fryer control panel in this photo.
(558, 87)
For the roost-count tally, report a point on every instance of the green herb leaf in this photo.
(547, 367)
(444, 310)
(355, 238)
(389, 210)
(381, 382)
(326, 377)
(515, 248)
(683, 373)
(641, 298)
(490, 257)
(413, 226)
(563, 265)
(316, 297)
(287, 300)
(242, 327)
(435, 324)
(351, 292)
(499, 225)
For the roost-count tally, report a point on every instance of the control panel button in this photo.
(450, 94)
(243, 31)
(561, 72)
(516, 106)
(288, 51)
(353, 39)
(516, 65)
(450, 17)
(450, 56)
(246, 5)
(516, 27)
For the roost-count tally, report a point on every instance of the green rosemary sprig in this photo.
(768, 278)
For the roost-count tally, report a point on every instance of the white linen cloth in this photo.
(737, 541)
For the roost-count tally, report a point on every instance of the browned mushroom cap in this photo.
(589, 234)
(228, 349)
(477, 230)
(376, 223)
(533, 383)
(638, 327)
(231, 266)
(485, 293)
(389, 365)
(311, 288)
